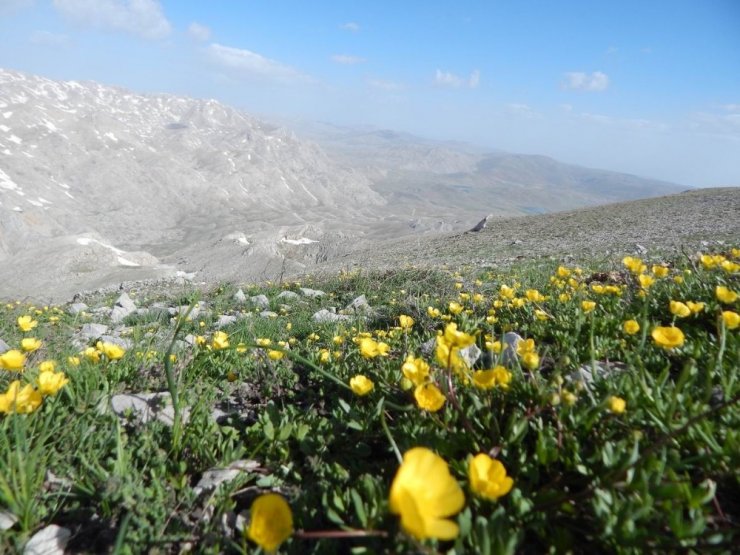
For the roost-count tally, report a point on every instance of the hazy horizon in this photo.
(651, 90)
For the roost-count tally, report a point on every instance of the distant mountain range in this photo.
(99, 184)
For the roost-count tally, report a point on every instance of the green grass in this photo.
(660, 477)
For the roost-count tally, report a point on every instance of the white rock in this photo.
(3, 346)
(240, 297)
(93, 331)
(145, 407)
(311, 293)
(48, 541)
(260, 301)
(324, 315)
(225, 320)
(7, 520)
(214, 477)
(76, 308)
(289, 296)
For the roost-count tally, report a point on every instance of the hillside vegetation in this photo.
(587, 405)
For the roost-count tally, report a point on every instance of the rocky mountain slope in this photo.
(99, 185)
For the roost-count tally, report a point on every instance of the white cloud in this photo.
(350, 26)
(346, 59)
(732, 107)
(45, 38)
(8, 6)
(384, 85)
(251, 63)
(447, 79)
(522, 110)
(474, 79)
(139, 17)
(579, 81)
(624, 123)
(199, 32)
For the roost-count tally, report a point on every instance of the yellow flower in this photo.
(488, 477)
(454, 308)
(569, 398)
(494, 346)
(668, 337)
(91, 354)
(525, 346)
(730, 267)
(731, 319)
(634, 265)
(725, 295)
(448, 356)
(506, 292)
(695, 308)
(616, 405)
(541, 314)
(369, 348)
(588, 306)
(429, 397)
(111, 350)
(271, 521)
(456, 338)
(26, 323)
(709, 261)
(406, 322)
(275, 355)
(30, 344)
(12, 360)
(19, 400)
(679, 309)
(415, 369)
(424, 494)
(534, 296)
(50, 382)
(563, 271)
(486, 379)
(433, 312)
(73, 361)
(660, 271)
(361, 385)
(220, 341)
(630, 327)
(531, 360)
(563, 297)
(47, 366)
(645, 280)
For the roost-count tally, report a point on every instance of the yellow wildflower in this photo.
(454, 308)
(631, 327)
(563, 297)
(425, 494)
(494, 346)
(111, 350)
(587, 306)
(634, 265)
(456, 338)
(415, 369)
(369, 348)
(275, 355)
(271, 521)
(361, 385)
(534, 296)
(50, 382)
(263, 341)
(668, 337)
(563, 272)
(695, 308)
(91, 354)
(220, 341)
(26, 323)
(531, 360)
(616, 405)
(731, 319)
(660, 271)
(429, 397)
(725, 294)
(506, 292)
(406, 322)
(73, 361)
(645, 280)
(679, 309)
(47, 366)
(525, 346)
(22, 401)
(569, 398)
(30, 344)
(486, 379)
(488, 477)
(12, 360)
(433, 312)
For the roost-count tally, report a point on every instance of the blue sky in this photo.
(645, 87)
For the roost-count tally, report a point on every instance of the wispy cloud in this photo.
(250, 63)
(199, 32)
(350, 26)
(45, 38)
(474, 79)
(382, 84)
(522, 110)
(580, 81)
(625, 123)
(346, 59)
(449, 79)
(139, 17)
